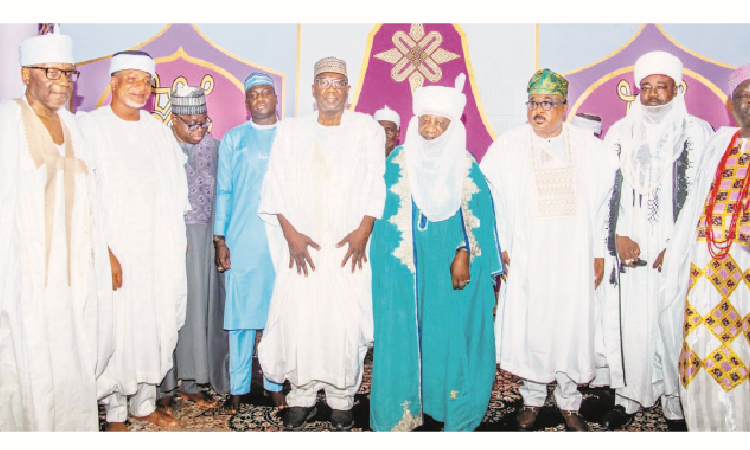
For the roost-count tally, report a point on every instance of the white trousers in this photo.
(567, 395)
(142, 403)
(670, 404)
(304, 396)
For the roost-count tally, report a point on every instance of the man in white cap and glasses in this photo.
(242, 238)
(655, 150)
(389, 120)
(549, 182)
(324, 188)
(434, 351)
(145, 197)
(203, 346)
(704, 304)
(55, 290)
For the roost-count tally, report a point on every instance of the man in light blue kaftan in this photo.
(434, 254)
(250, 274)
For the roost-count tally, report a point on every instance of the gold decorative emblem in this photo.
(417, 56)
(163, 105)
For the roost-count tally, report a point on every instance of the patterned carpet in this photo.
(257, 412)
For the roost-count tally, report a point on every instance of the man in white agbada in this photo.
(549, 187)
(55, 289)
(145, 197)
(655, 150)
(324, 188)
(704, 302)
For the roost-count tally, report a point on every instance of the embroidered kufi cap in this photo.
(388, 114)
(658, 63)
(46, 48)
(330, 64)
(547, 82)
(133, 60)
(737, 77)
(258, 79)
(443, 101)
(189, 100)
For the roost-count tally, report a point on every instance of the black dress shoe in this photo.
(676, 425)
(297, 416)
(342, 420)
(616, 418)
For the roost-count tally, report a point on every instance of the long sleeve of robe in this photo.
(316, 324)
(55, 339)
(545, 315)
(145, 197)
(434, 346)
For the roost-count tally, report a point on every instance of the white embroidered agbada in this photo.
(145, 196)
(545, 313)
(648, 219)
(318, 324)
(55, 333)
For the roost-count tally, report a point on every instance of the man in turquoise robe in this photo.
(434, 254)
(240, 236)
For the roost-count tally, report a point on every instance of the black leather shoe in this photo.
(342, 420)
(616, 418)
(297, 416)
(676, 425)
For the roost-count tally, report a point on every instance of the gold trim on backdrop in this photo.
(147, 41)
(698, 77)
(297, 79)
(473, 82)
(687, 50)
(621, 48)
(363, 66)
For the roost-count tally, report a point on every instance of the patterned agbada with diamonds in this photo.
(716, 347)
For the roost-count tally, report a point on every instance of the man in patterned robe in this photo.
(434, 342)
(549, 182)
(704, 306)
(655, 150)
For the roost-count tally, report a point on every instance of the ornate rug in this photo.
(258, 413)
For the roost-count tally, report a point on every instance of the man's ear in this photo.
(25, 75)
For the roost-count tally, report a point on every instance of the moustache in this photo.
(539, 116)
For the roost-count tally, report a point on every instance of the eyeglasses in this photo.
(195, 126)
(325, 82)
(53, 73)
(545, 104)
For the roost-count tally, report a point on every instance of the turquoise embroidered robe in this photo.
(434, 346)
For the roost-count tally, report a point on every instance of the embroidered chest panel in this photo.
(201, 185)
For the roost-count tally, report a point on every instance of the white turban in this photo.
(46, 48)
(439, 100)
(125, 61)
(658, 63)
(388, 114)
(587, 124)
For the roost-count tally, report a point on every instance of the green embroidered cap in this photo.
(546, 81)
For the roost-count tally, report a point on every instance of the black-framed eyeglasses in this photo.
(195, 126)
(325, 82)
(53, 73)
(545, 104)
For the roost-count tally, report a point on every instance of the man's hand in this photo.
(357, 241)
(506, 261)
(114, 264)
(598, 271)
(627, 250)
(298, 244)
(659, 260)
(460, 270)
(223, 261)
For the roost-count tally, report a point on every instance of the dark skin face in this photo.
(331, 100)
(47, 95)
(432, 126)
(130, 91)
(391, 135)
(741, 107)
(546, 124)
(181, 131)
(657, 90)
(261, 101)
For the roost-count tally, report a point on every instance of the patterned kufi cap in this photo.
(46, 48)
(657, 63)
(258, 79)
(547, 82)
(737, 77)
(330, 64)
(189, 100)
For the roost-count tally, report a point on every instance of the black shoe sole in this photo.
(342, 428)
(309, 416)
